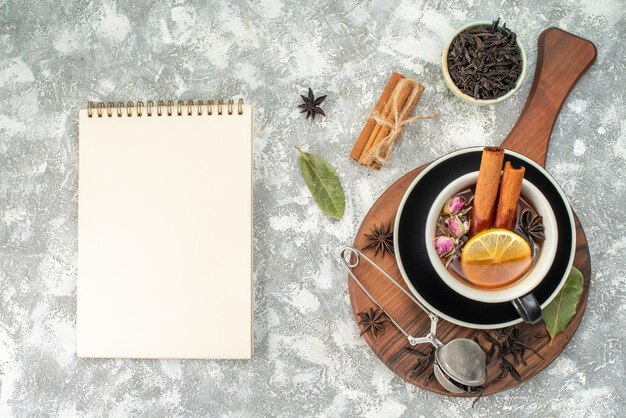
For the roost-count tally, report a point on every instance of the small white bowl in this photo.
(536, 273)
(457, 91)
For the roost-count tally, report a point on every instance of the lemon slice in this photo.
(495, 246)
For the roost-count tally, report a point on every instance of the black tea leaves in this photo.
(485, 61)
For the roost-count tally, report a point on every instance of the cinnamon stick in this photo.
(486, 189)
(384, 130)
(369, 127)
(410, 105)
(510, 189)
(384, 114)
(406, 106)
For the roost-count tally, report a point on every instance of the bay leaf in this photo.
(323, 183)
(558, 314)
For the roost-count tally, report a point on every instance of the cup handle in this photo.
(528, 308)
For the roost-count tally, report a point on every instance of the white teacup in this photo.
(520, 292)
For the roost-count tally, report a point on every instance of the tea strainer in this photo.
(460, 364)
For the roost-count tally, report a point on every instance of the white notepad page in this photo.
(165, 236)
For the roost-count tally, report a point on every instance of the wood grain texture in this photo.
(390, 345)
(562, 59)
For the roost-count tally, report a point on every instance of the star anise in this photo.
(380, 238)
(374, 320)
(531, 226)
(311, 105)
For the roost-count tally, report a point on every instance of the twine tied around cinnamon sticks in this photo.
(386, 122)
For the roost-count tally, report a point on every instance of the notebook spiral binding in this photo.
(161, 107)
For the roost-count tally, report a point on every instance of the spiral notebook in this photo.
(165, 230)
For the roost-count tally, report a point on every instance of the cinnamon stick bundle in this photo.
(510, 189)
(371, 128)
(408, 98)
(391, 113)
(382, 131)
(487, 186)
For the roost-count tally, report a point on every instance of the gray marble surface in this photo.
(309, 359)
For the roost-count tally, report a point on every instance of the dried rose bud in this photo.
(457, 227)
(443, 245)
(454, 205)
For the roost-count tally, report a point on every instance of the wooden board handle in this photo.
(562, 58)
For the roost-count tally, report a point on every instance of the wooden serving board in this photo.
(562, 59)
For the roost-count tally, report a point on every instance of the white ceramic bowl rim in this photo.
(457, 91)
(532, 278)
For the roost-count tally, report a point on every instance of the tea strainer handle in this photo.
(351, 257)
